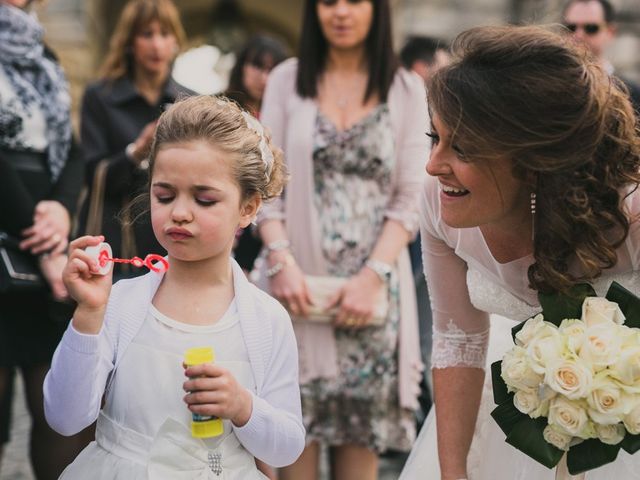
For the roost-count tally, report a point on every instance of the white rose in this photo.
(573, 332)
(517, 372)
(598, 310)
(627, 367)
(571, 378)
(601, 346)
(556, 437)
(610, 434)
(547, 346)
(527, 402)
(632, 420)
(568, 415)
(630, 336)
(608, 404)
(530, 329)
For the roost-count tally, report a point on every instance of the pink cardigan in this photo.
(290, 119)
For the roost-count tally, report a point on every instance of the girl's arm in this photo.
(81, 364)
(274, 432)
(460, 338)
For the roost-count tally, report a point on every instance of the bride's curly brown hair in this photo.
(530, 95)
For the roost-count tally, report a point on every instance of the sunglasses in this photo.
(589, 28)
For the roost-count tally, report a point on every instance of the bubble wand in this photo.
(102, 254)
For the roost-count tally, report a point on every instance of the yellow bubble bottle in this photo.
(203, 426)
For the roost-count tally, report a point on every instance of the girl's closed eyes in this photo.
(166, 195)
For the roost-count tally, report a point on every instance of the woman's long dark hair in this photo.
(260, 50)
(381, 59)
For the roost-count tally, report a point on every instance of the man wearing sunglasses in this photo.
(592, 22)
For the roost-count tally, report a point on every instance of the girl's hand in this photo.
(81, 278)
(290, 288)
(213, 390)
(356, 300)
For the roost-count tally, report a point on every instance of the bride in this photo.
(534, 170)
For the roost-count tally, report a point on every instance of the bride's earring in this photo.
(533, 214)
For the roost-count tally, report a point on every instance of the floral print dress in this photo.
(352, 177)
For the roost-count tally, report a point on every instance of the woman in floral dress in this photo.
(352, 128)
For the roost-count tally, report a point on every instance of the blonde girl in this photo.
(211, 166)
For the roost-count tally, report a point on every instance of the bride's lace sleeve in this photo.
(460, 331)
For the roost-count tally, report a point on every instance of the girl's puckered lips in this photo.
(177, 233)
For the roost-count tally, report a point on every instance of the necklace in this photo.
(344, 93)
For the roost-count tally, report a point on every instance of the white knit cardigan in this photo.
(83, 367)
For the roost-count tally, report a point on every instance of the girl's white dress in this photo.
(143, 431)
(466, 284)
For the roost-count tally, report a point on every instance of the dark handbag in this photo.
(19, 271)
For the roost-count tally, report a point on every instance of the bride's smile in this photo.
(474, 192)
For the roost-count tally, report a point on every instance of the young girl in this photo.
(211, 165)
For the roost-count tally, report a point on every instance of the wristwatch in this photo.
(382, 269)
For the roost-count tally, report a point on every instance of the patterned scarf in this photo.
(38, 81)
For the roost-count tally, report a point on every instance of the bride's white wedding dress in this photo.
(465, 283)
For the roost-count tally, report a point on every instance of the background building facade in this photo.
(79, 29)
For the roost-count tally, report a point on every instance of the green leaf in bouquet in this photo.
(590, 454)
(558, 306)
(507, 416)
(630, 443)
(517, 328)
(500, 392)
(628, 303)
(527, 436)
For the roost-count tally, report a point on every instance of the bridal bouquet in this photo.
(571, 383)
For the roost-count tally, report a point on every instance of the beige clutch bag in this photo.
(322, 290)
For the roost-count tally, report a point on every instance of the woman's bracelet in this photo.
(382, 269)
(278, 245)
(277, 268)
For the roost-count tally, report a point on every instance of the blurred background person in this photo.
(593, 23)
(424, 55)
(247, 81)
(248, 77)
(40, 179)
(119, 113)
(352, 125)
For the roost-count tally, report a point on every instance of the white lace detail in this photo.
(456, 348)
(491, 297)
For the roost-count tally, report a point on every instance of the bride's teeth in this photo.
(448, 189)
